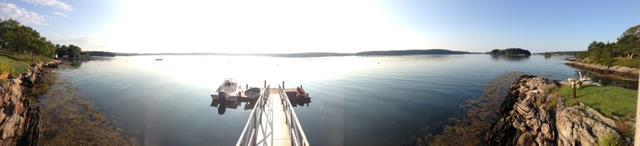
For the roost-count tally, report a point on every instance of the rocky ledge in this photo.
(624, 72)
(530, 115)
(19, 120)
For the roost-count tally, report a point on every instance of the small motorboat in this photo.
(252, 92)
(227, 91)
(300, 93)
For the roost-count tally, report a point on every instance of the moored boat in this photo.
(252, 92)
(301, 93)
(227, 91)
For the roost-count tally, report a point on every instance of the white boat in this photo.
(227, 91)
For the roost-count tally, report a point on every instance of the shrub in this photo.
(633, 63)
(607, 140)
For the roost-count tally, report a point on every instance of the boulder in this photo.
(581, 125)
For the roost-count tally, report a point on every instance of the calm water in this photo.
(355, 100)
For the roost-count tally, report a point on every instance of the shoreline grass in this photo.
(609, 100)
(15, 63)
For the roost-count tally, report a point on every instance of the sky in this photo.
(344, 26)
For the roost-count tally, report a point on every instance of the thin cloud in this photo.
(87, 43)
(59, 14)
(9, 10)
(57, 5)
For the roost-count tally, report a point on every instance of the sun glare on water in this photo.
(208, 71)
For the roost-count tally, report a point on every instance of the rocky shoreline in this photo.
(619, 71)
(531, 115)
(527, 111)
(20, 121)
(476, 114)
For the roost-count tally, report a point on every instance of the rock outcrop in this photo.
(530, 116)
(581, 125)
(625, 72)
(521, 121)
(19, 121)
(32, 76)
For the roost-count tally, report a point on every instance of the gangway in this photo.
(273, 122)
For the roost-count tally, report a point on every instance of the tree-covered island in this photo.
(510, 52)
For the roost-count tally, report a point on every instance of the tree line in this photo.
(627, 47)
(18, 38)
(510, 52)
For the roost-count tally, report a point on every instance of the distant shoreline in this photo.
(320, 54)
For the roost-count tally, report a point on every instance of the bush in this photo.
(633, 63)
(5, 70)
(607, 140)
(603, 61)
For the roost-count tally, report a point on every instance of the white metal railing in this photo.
(298, 138)
(254, 126)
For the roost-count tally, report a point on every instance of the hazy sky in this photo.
(276, 26)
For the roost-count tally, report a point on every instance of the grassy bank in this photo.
(15, 63)
(609, 100)
(631, 63)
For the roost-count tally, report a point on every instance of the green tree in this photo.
(9, 38)
(74, 51)
(22, 39)
(629, 42)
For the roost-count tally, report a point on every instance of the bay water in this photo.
(355, 100)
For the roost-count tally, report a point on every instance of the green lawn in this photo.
(609, 100)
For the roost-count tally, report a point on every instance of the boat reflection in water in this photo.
(249, 103)
(298, 99)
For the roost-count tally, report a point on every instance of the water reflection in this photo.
(300, 102)
(222, 106)
(509, 58)
(249, 104)
(76, 64)
(222, 109)
(599, 78)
